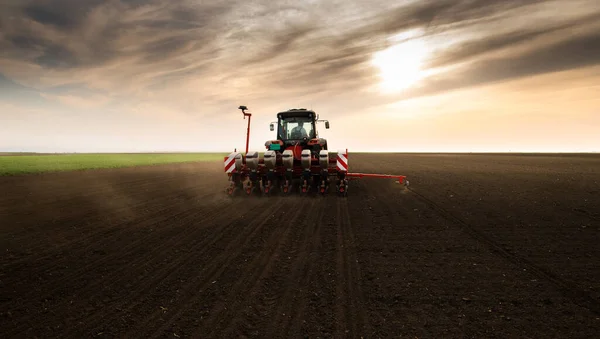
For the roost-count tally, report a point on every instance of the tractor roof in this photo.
(297, 112)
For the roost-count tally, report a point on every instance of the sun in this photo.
(400, 66)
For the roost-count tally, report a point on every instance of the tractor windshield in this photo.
(296, 128)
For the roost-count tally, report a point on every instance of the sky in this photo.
(389, 76)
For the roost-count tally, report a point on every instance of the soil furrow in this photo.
(66, 283)
(210, 275)
(90, 266)
(293, 303)
(350, 316)
(343, 301)
(360, 321)
(158, 272)
(569, 289)
(225, 316)
(260, 304)
(480, 246)
(43, 253)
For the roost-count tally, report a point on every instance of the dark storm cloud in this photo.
(578, 51)
(57, 56)
(281, 43)
(164, 48)
(48, 17)
(321, 76)
(432, 15)
(62, 14)
(85, 33)
(25, 41)
(575, 52)
(474, 48)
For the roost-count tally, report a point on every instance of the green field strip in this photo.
(24, 164)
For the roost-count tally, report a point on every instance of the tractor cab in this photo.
(297, 127)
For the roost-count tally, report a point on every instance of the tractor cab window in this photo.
(296, 129)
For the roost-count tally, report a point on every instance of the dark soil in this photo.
(479, 246)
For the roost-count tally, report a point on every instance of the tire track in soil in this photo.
(351, 318)
(569, 289)
(291, 308)
(274, 294)
(211, 273)
(128, 250)
(182, 262)
(267, 293)
(222, 319)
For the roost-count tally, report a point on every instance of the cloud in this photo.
(336, 56)
(75, 34)
(13, 93)
(211, 53)
(61, 14)
(87, 102)
(432, 15)
(576, 52)
(490, 43)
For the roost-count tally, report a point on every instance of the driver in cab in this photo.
(299, 132)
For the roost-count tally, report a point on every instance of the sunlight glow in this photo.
(400, 66)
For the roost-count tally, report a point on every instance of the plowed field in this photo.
(479, 246)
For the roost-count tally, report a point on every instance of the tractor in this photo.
(297, 160)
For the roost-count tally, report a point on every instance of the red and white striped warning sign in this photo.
(230, 163)
(342, 161)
